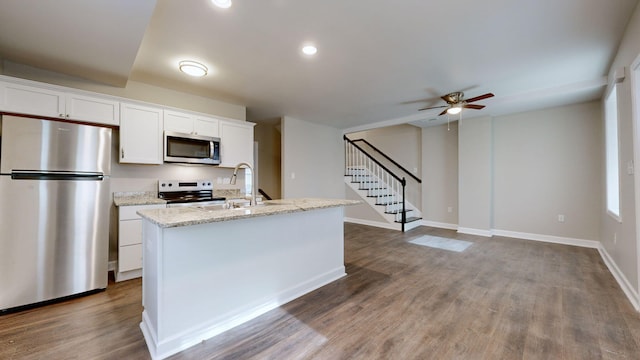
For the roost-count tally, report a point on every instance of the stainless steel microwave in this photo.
(191, 148)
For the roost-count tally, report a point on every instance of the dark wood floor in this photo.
(500, 299)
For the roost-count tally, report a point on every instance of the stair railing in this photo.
(389, 159)
(358, 158)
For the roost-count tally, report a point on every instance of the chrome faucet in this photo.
(253, 180)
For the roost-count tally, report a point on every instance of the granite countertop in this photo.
(132, 198)
(137, 198)
(186, 216)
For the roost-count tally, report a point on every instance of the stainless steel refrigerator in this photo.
(54, 210)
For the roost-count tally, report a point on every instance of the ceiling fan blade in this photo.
(481, 97)
(433, 107)
(473, 106)
(443, 112)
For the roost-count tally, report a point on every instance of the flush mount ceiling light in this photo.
(309, 50)
(193, 68)
(225, 4)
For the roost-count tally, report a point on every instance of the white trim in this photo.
(379, 224)
(622, 280)
(439, 225)
(548, 238)
(111, 266)
(479, 232)
(635, 124)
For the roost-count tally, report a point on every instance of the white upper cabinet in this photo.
(93, 109)
(206, 126)
(190, 124)
(48, 102)
(236, 143)
(141, 134)
(31, 100)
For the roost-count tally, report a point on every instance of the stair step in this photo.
(398, 211)
(410, 219)
(388, 203)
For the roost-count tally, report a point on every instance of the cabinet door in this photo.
(130, 258)
(236, 143)
(140, 134)
(178, 122)
(206, 126)
(33, 101)
(93, 109)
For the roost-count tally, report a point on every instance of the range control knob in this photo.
(163, 185)
(170, 184)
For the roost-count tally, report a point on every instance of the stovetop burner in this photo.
(181, 191)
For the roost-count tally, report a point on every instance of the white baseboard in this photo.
(548, 238)
(378, 224)
(479, 232)
(622, 280)
(439, 225)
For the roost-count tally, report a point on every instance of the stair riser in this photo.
(367, 186)
(361, 178)
(386, 200)
(376, 192)
(409, 214)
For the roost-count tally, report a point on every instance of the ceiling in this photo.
(377, 62)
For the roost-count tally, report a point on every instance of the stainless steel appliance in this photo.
(188, 193)
(191, 148)
(54, 210)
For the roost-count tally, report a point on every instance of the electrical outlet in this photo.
(450, 209)
(561, 218)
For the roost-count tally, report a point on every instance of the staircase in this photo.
(383, 190)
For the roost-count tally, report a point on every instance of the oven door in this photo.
(192, 149)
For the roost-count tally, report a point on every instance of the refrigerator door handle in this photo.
(55, 175)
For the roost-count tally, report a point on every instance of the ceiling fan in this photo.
(456, 102)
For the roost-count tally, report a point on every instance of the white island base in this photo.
(201, 280)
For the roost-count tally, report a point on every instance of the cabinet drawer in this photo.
(130, 232)
(129, 212)
(130, 258)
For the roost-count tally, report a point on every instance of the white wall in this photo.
(475, 175)
(549, 163)
(312, 160)
(440, 174)
(402, 143)
(624, 250)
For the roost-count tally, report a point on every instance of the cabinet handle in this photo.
(67, 115)
(122, 151)
(61, 115)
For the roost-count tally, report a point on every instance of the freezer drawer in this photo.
(54, 239)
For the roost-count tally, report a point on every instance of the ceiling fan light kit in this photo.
(456, 102)
(454, 109)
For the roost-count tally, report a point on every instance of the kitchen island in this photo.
(207, 270)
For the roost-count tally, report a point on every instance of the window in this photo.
(612, 161)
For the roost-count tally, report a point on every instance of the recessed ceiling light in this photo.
(222, 3)
(309, 50)
(193, 68)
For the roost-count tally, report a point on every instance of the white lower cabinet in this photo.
(130, 241)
